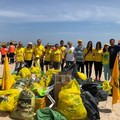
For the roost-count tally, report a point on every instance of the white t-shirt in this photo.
(70, 54)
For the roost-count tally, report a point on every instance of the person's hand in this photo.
(16, 61)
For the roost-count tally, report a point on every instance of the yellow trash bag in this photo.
(52, 71)
(70, 103)
(36, 71)
(16, 77)
(25, 73)
(106, 86)
(82, 76)
(45, 80)
(9, 99)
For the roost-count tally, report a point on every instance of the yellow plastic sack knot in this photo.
(25, 72)
(82, 76)
(35, 70)
(106, 86)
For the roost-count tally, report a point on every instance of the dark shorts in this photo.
(3, 56)
(11, 55)
(47, 62)
(56, 65)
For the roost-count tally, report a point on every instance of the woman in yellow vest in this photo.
(56, 57)
(88, 58)
(28, 55)
(105, 62)
(48, 56)
(19, 56)
(98, 56)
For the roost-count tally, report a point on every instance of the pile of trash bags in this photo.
(31, 95)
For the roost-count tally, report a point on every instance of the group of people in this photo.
(102, 58)
(59, 55)
(7, 50)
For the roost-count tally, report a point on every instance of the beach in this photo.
(106, 110)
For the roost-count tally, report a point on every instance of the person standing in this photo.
(113, 50)
(11, 53)
(105, 62)
(40, 50)
(19, 56)
(63, 49)
(80, 56)
(28, 55)
(56, 57)
(98, 56)
(70, 56)
(88, 58)
(4, 52)
(48, 56)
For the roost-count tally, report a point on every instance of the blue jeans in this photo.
(106, 72)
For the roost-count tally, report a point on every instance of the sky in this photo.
(55, 20)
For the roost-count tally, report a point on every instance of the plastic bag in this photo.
(9, 99)
(48, 114)
(36, 71)
(82, 76)
(45, 80)
(70, 103)
(25, 73)
(52, 71)
(106, 86)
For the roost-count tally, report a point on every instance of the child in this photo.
(105, 62)
(37, 61)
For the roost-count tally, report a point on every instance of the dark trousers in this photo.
(11, 57)
(28, 63)
(88, 65)
(80, 65)
(98, 69)
(42, 64)
(62, 64)
(2, 59)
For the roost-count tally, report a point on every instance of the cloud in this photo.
(85, 13)
(11, 14)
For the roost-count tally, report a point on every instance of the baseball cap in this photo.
(30, 43)
(106, 44)
(49, 44)
(79, 40)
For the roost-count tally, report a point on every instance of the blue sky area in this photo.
(53, 20)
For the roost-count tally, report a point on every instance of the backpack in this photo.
(90, 105)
